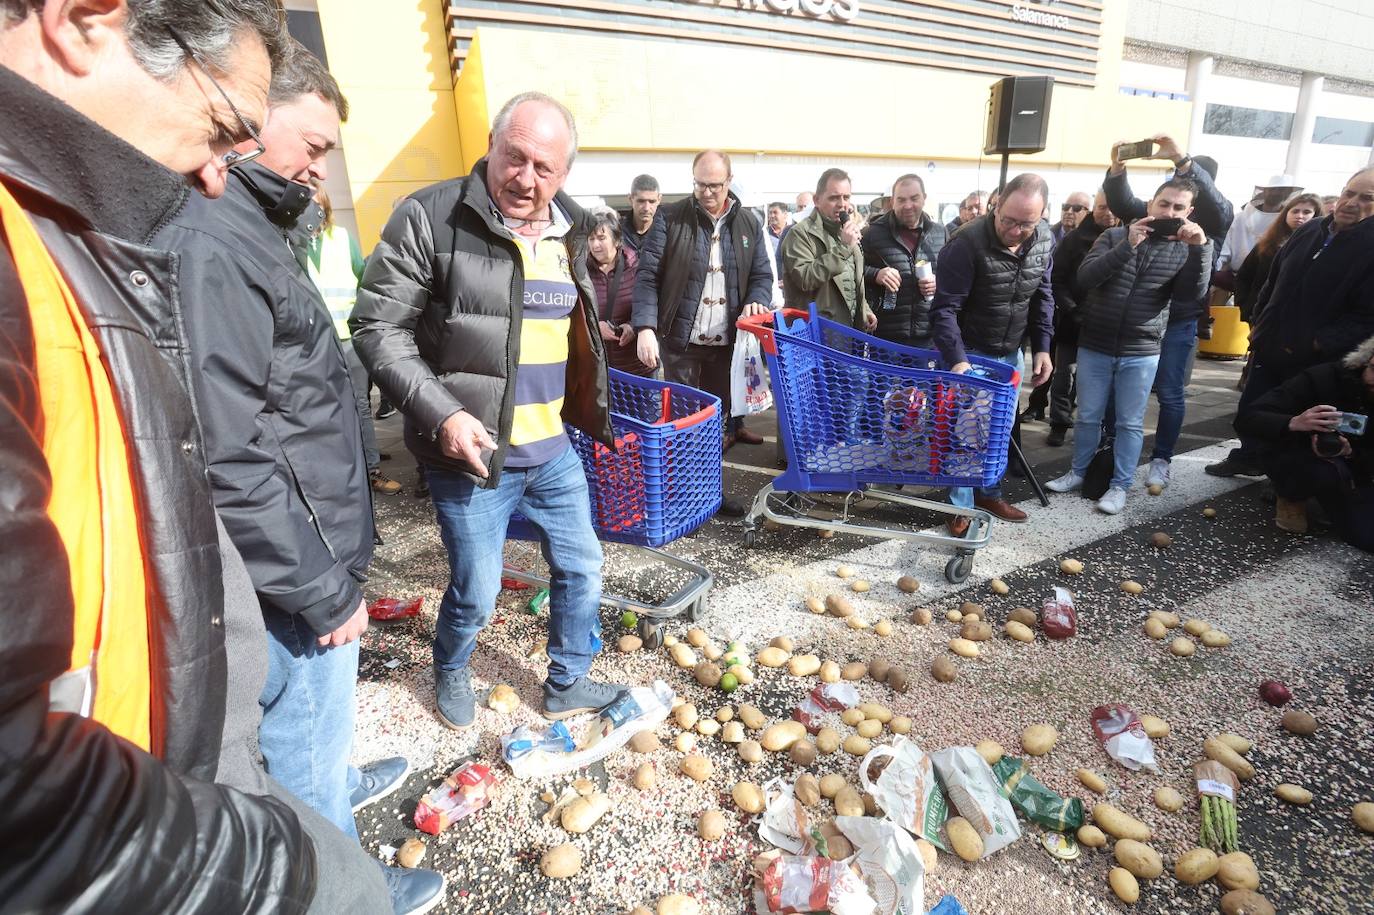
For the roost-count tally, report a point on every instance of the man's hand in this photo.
(348, 631)
(646, 348)
(1321, 418)
(1041, 369)
(463, 436)
(926, 287)
(627, 335)
(852, 231)
(960, 368)
(607, 331)
(754, 308)
(870, 321)
(1117, 166)
(889, 278)
(1345, 451)
(1192, 233)
(1139, 231)
(1168, 148)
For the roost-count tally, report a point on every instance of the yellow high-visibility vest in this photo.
(334, 277)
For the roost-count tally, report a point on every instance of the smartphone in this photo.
(1352, 424)
(1142, 150)
(1164, 228)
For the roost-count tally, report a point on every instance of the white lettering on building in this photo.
(1024, 12)
(844, 10)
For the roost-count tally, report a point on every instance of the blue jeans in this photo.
(472, 523)
(962, 496)
(1175, 350)
(306, 734)
(1127, 380)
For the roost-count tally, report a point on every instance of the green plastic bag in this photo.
(1040, 805)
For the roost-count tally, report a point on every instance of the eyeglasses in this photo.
(1073, 208)
(512, 222)
(1006, 223)
(713, 188)
(232, 157)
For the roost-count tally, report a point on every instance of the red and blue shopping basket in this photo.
(854, 409)
(662, 481)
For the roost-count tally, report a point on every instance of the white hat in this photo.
(1279, 181)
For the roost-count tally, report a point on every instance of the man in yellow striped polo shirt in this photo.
(476, 318)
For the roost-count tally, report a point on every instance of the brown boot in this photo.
(382, 484)
(957, 525)
(1000, 508)
(1291, 515)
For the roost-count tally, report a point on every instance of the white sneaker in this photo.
(1113, 502)
(1159, 473)
(1067, 483)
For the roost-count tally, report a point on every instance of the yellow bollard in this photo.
(1230, 335)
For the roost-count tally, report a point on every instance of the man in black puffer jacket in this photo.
(893, 244)
(1130, 277)
(1068, 294)
(1307, 456)
(702, 266)
(994, 290)
(477, 317)
(1213, 213)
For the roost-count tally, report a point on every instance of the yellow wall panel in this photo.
(470, 101)
(398, 44)
(400, 135)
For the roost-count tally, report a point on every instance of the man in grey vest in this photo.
(993, 290)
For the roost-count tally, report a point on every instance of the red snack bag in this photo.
(387, 609)
(1057, 616)
(1122, 735)
(467, 790)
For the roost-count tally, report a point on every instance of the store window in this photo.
(1343, 132)
(1256, 123)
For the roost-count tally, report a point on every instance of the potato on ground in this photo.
(1245, 902)
(711, 825)
(561, 861)
(1038, 739)
(1090, 836)
(1119, 824)
(1124, 885)
(582, 814)
(678, 904)
(1196, 865)
(748, 797)
(1237, 871)
(964, 839)
(1138, 858)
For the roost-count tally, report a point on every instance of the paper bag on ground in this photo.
(906, 790)
(883, 847)
(973, 791)
(785, 822)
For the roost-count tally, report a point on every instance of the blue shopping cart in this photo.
(661, 482)
(856, 411)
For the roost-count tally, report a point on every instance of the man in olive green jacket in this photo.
(822, 259)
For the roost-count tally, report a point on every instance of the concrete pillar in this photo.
(1303, 122)
(1199, 73)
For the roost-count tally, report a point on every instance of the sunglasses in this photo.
(232, 157)
(1073, 208)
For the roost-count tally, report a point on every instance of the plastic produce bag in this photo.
(467, 790)
(907, 790)
(536, 753)
(883, 847)
(749, 391)
(825, 699)
(792, 884)
(1038, 803)
(974, 791)
(1124, 737)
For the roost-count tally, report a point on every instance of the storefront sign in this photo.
(1033, 14)
(844, 10)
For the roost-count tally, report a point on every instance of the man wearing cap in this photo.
(1254, 218)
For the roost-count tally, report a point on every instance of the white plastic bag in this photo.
(749, 391)
(907, 791)
(532, 753)
(974, 791)
(883, 847)
(785, 821)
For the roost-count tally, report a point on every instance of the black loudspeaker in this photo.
(1018, 115)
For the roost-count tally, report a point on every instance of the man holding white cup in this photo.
(899, 248)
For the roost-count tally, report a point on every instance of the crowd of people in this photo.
(189, 344)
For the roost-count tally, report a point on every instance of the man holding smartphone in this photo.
(1213, 214)
(1129, 278)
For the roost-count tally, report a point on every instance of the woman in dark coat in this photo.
(613, 268)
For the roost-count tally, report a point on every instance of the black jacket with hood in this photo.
(89, 822)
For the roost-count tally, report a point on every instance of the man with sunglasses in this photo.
(993, 290)
(284, 446)
(1071, 214)
(126, 671)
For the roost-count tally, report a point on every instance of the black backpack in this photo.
(1097, 479)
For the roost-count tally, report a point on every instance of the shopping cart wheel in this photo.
(751, 536)
(957, 570)
(697, 609)
(651, 633)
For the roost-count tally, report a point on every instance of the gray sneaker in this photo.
(378, 780)
(584, 695)
(453, 697)
(413, 891)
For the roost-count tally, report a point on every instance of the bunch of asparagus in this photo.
(1218, 824)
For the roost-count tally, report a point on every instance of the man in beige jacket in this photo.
(824, 263)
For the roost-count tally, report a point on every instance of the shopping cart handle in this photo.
(761, 326)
